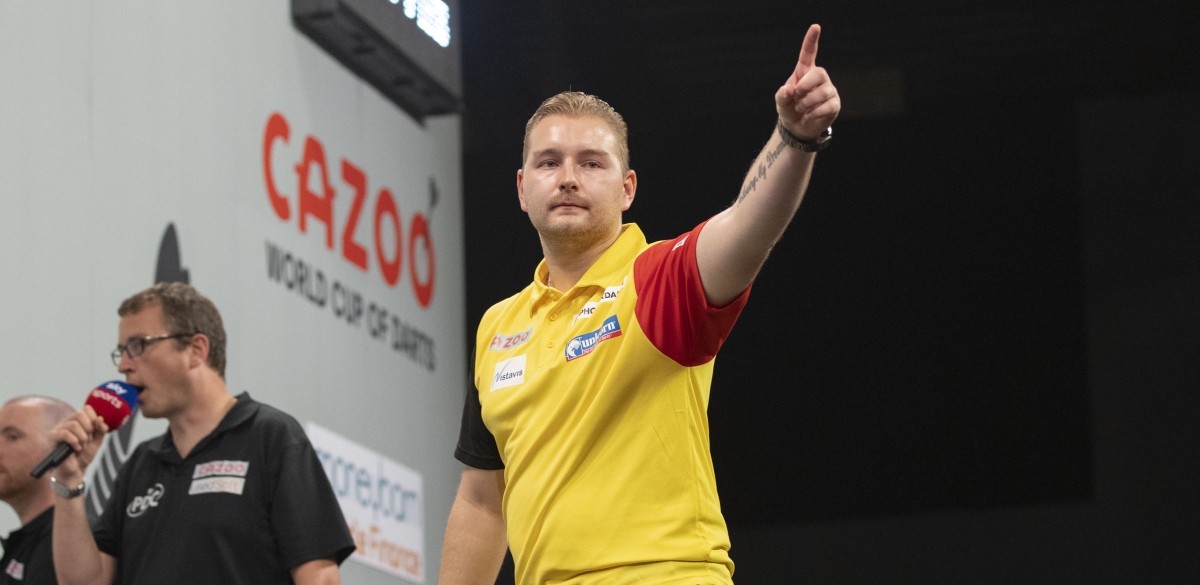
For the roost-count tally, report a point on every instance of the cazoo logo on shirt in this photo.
(502, 342)
(140, 504)
(219, 477)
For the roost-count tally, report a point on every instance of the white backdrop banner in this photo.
(382, 501)
(212, 142)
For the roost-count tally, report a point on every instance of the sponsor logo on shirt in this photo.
(586, 343)
(509, 372)
(16, 570)
(140, 504)
(610, 295)
(587, 311)
(502, 342)
(227, 477)
(212, 485)
(236, 468)
(680, 243)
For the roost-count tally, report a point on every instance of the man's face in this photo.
(23, 443)
(161, 370)
(572, 184)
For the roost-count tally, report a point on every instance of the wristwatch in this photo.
(815, 145)
(65, 492)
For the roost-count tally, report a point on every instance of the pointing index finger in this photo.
(808, 52)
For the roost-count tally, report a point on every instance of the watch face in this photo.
(65, 492)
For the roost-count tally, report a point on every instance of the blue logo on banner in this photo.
(584, 344)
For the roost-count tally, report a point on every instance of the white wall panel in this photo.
(117, 119)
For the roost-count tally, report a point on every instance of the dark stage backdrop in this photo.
(1138, 214)
(916, 340)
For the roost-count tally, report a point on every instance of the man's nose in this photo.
(125, 365)
(567, 180)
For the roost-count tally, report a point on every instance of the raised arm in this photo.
(476, 536)
(733, 245)
(77, 560)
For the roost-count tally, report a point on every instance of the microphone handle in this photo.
(54, 459)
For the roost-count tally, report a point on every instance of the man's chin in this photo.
(150, 411)
(567, 228)
(6, 491)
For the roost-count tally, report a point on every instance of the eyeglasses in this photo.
(137, 345)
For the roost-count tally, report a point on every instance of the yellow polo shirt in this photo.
(596, 402)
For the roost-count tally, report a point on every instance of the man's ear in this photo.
(521, 189)
(198, 351)
(629, 186)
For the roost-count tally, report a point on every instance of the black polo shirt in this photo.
(28, 558)
(249, 503)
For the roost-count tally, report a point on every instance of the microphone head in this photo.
(114, 401)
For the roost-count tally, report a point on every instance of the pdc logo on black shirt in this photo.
(140, 504)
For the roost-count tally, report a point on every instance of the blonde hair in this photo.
(576, 104)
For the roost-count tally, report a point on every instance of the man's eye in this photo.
(548, 163)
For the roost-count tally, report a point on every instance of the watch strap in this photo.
(815, 145)
(65, 492)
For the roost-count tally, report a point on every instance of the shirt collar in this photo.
(34, 526)
(243, 410)
(610, 263)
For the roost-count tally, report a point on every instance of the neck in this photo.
(30, 505)
(569, 259)
(210, 401)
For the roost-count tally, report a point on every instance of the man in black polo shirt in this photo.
(25, 424)
(232, 492)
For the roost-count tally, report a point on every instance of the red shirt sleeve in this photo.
(671, 306)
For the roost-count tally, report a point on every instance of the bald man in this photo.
(25, 424)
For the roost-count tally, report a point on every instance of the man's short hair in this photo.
(53, 409)
(576, 104)
(184, 310)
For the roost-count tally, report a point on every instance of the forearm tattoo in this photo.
(772, 156)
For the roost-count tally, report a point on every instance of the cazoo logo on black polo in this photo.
(219, 477)
(140, 504)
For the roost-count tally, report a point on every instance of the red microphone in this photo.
(114, 401)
